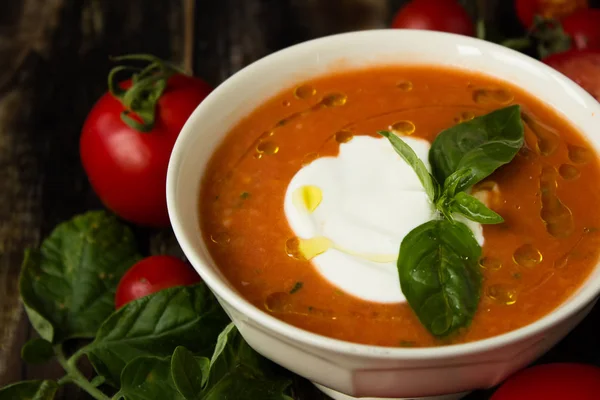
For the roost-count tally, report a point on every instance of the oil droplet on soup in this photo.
(334, 100)
(497, 96)
(557, 217)
(464, 117)
(307, 197)
(310, 157)
(307, 249)
(278, 302)
(221, 238)
(405, 86)
(490, 263)
(580, 155)
(304, 91)
(269, 148)
(527, 256)
(343, 136)
(502, 293)
(569, 172)
(266, 135)
(403, 127)
(547, 139)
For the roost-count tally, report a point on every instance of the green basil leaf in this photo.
(97, 381)
(68, 285)
(29, 390)
(37, 351)
(147, 378)
(239, 385)
(439, 274)
(189, 373)
(231, 351)
(155, 325)
(411, 158)
(238, 372)
(481, 145)
(474, 210)
(457, 179)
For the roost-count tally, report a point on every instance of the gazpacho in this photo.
(403, 206)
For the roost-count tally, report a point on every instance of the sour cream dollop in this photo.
(363, 203)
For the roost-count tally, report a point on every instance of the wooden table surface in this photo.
(53, 66)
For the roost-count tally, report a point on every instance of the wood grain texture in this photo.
(54, 57)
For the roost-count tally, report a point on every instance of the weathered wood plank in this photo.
(54, 56)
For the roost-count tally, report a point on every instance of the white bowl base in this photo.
(340, 396)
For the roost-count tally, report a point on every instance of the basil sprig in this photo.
(437, 263)
(173, 344)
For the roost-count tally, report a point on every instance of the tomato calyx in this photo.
(547, 35)
(147, 86)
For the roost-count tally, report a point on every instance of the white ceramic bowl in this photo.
(344, 367)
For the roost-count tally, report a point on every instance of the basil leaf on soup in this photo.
(155, 325)
(147, 378)
(474, 209)
(481, 145)
(411, 158)
(439, 275)
(68, 285)
(456, 180)
(34, 390)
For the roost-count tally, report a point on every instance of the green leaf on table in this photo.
(439, 274)
(155, 325)
(189, 372)
(235, 372)
(480, 146)
(238, 372)
(97, 381)
(37, 351)
(474, 209)
(147, 378)
(239, 385)
(68, 285)
(411, 158)
(29, 390)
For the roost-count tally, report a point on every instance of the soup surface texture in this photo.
(548, 196)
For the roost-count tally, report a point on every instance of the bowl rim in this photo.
(304, 337)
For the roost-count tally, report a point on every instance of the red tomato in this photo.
(127, 168)
(558, 381)
(584, 28)
(549, 9)
(151, 275)
(435, 15)
(582, 66)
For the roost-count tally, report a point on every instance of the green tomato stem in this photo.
(147, 86)
(75, 376)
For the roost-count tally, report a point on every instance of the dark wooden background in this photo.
(53, 66)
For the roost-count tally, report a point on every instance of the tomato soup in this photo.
(548, 196)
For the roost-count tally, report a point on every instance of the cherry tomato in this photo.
(151, 275)
(557, 381)
(435, 15)
(549, 9)
(582, 66)
(584, 28)
(126, 166)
